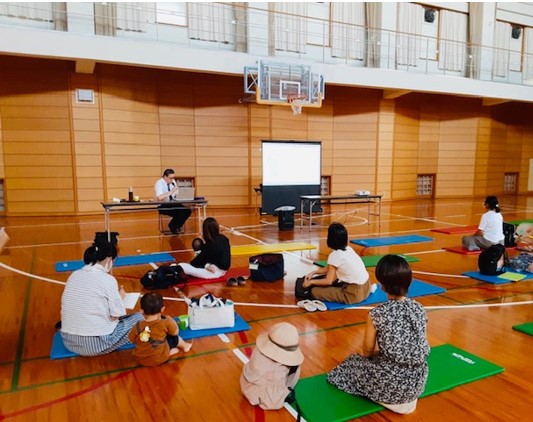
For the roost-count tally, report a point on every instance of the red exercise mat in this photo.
(232, 272)
(456, 230)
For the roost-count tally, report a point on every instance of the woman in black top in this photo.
(213, 257)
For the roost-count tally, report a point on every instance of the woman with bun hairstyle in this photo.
(93, 317)
(490, 229)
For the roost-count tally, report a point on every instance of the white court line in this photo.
(440, 274)
(49, 280)
(425, 252)
(242, 357)
(224, 338)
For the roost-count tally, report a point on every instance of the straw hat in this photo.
(281, 344)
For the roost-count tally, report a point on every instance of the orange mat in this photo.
(232, 272)
(456, 230)
(461, 250)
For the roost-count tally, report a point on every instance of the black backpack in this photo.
(164, 277)
(488, 260)
(508, 233)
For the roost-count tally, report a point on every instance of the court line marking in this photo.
(64, 398)
(273, 305)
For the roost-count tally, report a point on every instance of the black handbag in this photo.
(300, 292)
(164, 277)
(267, 267)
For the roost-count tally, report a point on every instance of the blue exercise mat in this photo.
(393, 240)
(417, 288)
(59, 351)
(494, 279)
(240, 325)
(121, 261)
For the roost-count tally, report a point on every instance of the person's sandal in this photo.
(232, 282)
(241, 281)
(307, 304)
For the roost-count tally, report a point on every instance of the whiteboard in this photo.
(289, 163)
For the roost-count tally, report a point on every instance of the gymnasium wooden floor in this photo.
(203, 385)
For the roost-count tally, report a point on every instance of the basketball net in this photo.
(295, 103)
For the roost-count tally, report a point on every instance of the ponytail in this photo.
(492, 203)
(99, 251)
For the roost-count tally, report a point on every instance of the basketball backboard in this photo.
(279, 83)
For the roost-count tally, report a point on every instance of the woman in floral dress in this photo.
(392, 369)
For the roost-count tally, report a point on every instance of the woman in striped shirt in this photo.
(93, 316)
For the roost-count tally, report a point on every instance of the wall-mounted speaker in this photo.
(516, 31)
(429, 15)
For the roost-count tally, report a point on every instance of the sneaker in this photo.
(232, 282)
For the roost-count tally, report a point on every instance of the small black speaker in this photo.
(286, 220)
(102, 237)
(516, 32)
(429, 15)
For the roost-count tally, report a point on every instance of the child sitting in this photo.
(274, 367)
(156, 338)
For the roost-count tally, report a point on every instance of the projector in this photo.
(362, 192)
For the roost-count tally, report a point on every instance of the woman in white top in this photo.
(490, 229)
(93, 317)
(345, 278)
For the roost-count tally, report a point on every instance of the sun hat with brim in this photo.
(281, 344)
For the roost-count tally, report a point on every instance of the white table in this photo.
(311, 200)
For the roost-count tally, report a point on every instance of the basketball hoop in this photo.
(296, 103)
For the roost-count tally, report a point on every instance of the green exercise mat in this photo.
(448, 368)
(518, 222)
(524, 328)
(371, 260)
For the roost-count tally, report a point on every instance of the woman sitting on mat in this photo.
(392, 367)
(214, 258)
(345, 278)
(93, 317)
(490, 229)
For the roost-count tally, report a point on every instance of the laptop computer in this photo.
(185, 194)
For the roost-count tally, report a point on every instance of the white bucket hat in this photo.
(281, 344)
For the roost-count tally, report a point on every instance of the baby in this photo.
(156, 338)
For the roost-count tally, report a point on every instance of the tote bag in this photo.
(211, 312)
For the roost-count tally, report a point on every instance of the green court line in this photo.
(23, 322)
(518, 222)
(108, 372)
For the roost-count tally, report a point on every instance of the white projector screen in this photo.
(291, 163)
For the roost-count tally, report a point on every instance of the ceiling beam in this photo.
(391, 94)
(85, 66)
(488, 102)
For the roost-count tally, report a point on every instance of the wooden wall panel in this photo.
(406, 147)
(355, 139)
(145, 120)
(221, 140)
(36, 136)
(384, 153)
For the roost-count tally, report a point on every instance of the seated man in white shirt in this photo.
(165, 189)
